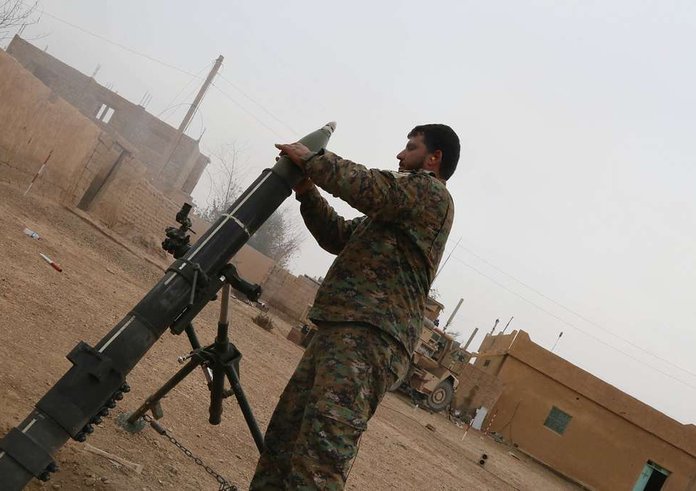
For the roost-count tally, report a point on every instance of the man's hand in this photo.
(294, 151)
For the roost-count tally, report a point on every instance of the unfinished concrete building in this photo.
(173, 159)
(581, 426)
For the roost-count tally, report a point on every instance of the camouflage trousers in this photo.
(313, 436)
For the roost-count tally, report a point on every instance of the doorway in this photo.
(102, 177)
(652, 478)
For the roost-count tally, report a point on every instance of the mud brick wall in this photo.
(477, 388)
(290, 294)
(35, 122)
(145, 213)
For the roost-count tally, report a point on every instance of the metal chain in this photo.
(224, 484)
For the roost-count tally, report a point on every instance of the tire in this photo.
(441, 397)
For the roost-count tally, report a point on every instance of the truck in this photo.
(437, 362)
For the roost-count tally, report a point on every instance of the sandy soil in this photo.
(44, 313)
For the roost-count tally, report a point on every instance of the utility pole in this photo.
(454, 312)
(191, 112)
(199, 97)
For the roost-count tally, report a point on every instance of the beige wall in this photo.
(144, 212)
(35, 122)
(477, 388)
(611, 435)
(290, 294)
(252, 265)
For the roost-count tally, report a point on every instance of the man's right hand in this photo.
(303, 186)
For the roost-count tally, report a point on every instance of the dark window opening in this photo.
(657, 479)
(557, 420)
(652, 478)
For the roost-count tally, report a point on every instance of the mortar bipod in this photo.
(218, 360)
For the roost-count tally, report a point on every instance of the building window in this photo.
(486, 363)
(557, 420)
(652, 478)
(104, 114)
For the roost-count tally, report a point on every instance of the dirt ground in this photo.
(44, 313)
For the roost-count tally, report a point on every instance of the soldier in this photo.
(369, 308)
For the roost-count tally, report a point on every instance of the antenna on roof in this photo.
(506, 325)
(557, 339)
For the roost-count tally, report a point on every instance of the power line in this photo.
(444, 263)
(246, 110)
(181, 70)
(577, 314)
(257, 103)
(573, 326)
(126, 48)
(192, 79)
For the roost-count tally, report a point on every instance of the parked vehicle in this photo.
(437, 362)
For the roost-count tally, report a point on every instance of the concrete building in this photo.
(173, 160)
(477, 389)
(433, 308)
(581, 426)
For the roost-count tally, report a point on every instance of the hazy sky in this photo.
(574, 195)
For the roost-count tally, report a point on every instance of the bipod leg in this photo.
(226, 355)
(219, 348)
(244, 406)
(154, 399)
(196, 345)
(217, 393)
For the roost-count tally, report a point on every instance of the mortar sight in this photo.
(177, 242)
(182, 216)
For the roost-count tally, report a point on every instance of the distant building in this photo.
(173, 160)
(581, 426)
(433, 308)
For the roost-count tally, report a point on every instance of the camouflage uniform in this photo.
(369, 310)
(314, 432)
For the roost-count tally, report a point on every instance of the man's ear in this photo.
(437, 157)
(433, 162)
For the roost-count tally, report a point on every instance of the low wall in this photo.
(35, 123)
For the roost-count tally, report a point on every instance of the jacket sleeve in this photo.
(331, 230)
(381, 195)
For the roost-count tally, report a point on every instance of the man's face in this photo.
(414, 156)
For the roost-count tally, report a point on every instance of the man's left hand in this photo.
(294, 151)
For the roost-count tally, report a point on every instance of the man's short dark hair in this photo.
(440, 137)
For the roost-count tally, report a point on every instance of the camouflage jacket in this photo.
(386, 259)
